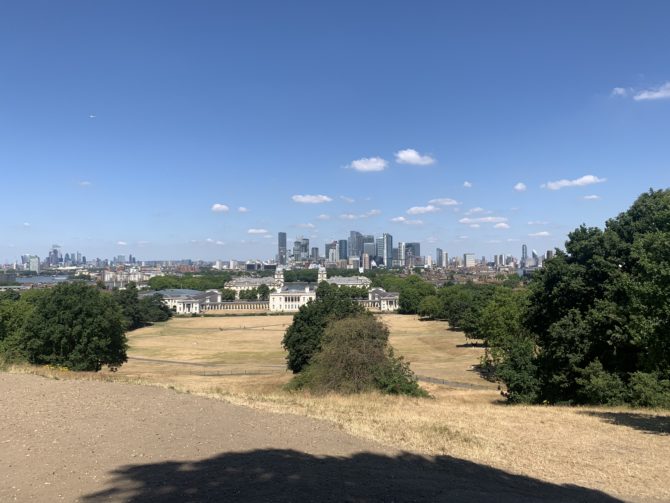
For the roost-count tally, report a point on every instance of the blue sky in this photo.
(123, 124)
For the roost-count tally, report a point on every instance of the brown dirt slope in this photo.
(104, 441)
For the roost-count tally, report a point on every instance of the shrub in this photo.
(647, 390)
(598, 386)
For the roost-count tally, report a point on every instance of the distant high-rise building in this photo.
(387, 241)
(370, 249)
(34, 263)
(329, 251)
(469, 260)
(439, 257)
(445, 259)
(524, 255)
(281, 248)
(315, 253)
(550, 254)
(366, 261)
(379, 254)
(415, 248)
(402, 254)
(343, 250)
(355, 248)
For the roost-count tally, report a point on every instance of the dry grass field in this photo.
(623, 452)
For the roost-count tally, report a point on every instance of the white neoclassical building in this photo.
(292, 297)
(184, 301)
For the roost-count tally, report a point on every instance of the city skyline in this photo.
(466, 129)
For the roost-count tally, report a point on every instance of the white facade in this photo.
(291, 300)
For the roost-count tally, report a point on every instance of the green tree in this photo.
(153, 309)
(129, 302)
(76, 326)
(264, 292)
(430, 307)
(302, 339)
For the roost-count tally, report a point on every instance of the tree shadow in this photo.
(647, 423)
(287, 475)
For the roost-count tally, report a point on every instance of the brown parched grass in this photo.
(622, 451)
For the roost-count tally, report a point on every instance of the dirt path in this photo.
(101, 441)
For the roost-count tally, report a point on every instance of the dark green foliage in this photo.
(263, 292)
(227, 295)
(206, 280)
(76, 326)
(430, 307)
(462, 306)
(129, 302)
(251, 294)
(303, 337)
(152, 309)
(356, 357)
(597, 315)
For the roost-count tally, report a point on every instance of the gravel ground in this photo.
(101, 441)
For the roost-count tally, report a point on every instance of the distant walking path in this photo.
(64, 440)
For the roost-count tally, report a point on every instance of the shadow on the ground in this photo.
(287, 475)
(657, 425)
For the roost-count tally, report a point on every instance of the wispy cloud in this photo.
(257, 231)
(474, 226)
(475, 210)
(539, 234)
(243, 209)
(411, 156)
(26, 224)
(311, 199)
(619, 91)
(520, 187)
(307, 226)
(592, 197)
(121, 243)
(354, 216)
(347, 199)
(467, 184)
(538, 222)
(577, 182)
(369, 164)
(420, 210)
(444, 201)
(209, 240)
(482, 220)
(220, 243)
(501, 225)
(656, 93)
(219, 208)
(406, 221)
(84, 183)
(323, 216)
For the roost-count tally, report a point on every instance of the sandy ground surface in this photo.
(104, 441)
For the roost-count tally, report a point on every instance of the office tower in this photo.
(445, 259)
(355, 244)
(34, 263)
(524, 255)
(469, 260)
(439, 257)
(370, 249)
(281, 248)
(415, 247)
(402, 253)
(315, 253)
(304, 249)
(344, 254)
(387, 241)
(366, 261)
(483, 260)
(379, 254)
(330, 247)
(550, 254)
(297, 249)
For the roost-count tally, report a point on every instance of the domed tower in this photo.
(322, 275)
(279, 278)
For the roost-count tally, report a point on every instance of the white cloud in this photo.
(220, 243)
(311, 199)
(592, 197)
(257, 231)
(444, 201)
(467, 184)
(26, 224)
(121, 243)
(242, 209)
(219, 208)
(512, 240)
(85, 183)
(463, 237)
(420, 210)
(323, 216)
(369, 164)
(307, 226)
(347, 199)
(494, 241)
(406, 221)
(268, 236)
(619, 91)
(539, 234)
(501, 225)
(411, 156)
(209, 240)
(482, 220)
(475, 226)
(354, 216)
(577, 182)
(520, 187)
(658, 93)
(538, 222)
(475, 210)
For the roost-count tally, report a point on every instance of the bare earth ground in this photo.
(123, 442)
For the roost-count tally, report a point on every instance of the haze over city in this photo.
(202, 131)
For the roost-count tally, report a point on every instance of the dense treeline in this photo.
(593, 326)
(74, 325)
(208, 280)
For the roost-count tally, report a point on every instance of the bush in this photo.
(597, 386)
(647, 390)
(356, 357)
